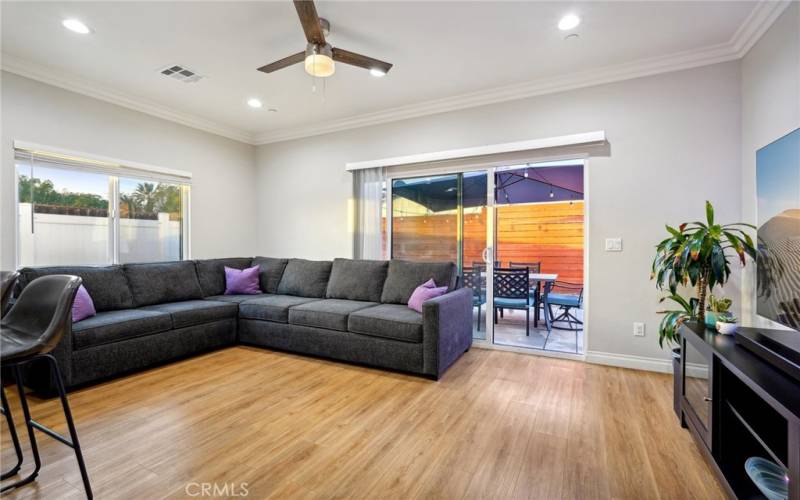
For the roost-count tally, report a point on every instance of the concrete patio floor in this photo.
(510, 331)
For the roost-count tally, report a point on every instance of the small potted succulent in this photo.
(717, 307)
(727, 324)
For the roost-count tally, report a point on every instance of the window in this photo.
(83, 212)
(151, 221)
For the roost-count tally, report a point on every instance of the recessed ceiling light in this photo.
(254, 103)
(76, 26)
(377, 72)
(569, 22)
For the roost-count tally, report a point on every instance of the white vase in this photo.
(727, 328)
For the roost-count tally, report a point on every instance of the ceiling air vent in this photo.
(181, 73)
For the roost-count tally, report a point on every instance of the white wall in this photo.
(223, 216)
(770, 109)
(675, 141)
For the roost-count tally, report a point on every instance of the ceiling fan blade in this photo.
(310, 21)
(347, 57)
(282, 63)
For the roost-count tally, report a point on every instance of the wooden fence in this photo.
(549, 233)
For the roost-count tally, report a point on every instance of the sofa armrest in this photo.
(447, 330)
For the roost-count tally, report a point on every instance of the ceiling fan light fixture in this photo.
(377, 72)
(319, 60)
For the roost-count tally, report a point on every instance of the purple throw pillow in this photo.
(244, 281)
(425, 291)
(83, 306)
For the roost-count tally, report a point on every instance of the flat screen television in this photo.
(778, 259)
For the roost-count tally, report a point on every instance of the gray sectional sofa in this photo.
(350, 310)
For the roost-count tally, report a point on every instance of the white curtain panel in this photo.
(368, 188)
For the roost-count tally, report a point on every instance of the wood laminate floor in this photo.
(498, 425)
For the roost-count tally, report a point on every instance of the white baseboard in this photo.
(628, 361)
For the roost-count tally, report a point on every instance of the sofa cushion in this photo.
(195, 312)
(211, 273)
(405, 276)
(357, 279)
(107, 286)
(233, 299)
(113, 326)
(305, 278)
(162, 282)
(271, 307)
(271, 272)
(331, 313)
(390, 321)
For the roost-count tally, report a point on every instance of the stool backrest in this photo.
(44, 309)
(5, 291)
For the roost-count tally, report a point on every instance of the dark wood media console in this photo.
(737, 405)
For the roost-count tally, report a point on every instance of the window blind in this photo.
(36, 157)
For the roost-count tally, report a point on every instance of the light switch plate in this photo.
(613, 244)
(638, 329)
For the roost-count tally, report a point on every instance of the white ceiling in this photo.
(441, 51)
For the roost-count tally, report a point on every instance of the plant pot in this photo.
(711, 319)
(727, 328)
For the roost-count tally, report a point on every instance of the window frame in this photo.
(113, 170)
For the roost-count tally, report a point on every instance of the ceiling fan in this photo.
(319, 56)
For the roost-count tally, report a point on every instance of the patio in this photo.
(510, 331)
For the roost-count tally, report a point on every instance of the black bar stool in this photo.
(30, 331)
(8, 284)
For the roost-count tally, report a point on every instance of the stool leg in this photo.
(73, 434)
(34, 448)
(14, 438)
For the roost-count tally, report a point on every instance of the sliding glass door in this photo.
(443, 218)
(538, 285)
(516, 234)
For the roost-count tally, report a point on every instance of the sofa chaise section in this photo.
(362, 315)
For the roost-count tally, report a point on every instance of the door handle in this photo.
(706, 399)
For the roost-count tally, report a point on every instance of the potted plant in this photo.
(696, 254)
(717, 308)
(673, 318)
(727, 324)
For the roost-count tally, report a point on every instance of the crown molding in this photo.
(73, 83)
(755, 25)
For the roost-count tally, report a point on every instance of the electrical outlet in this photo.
(613, 244)
(638, 329)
